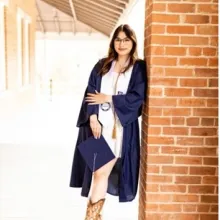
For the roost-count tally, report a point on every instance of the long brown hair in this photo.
(113, 55)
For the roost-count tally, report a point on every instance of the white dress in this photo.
(106, 112)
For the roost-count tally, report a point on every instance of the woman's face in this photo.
(123, 44)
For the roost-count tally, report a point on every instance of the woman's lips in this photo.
(122, 49)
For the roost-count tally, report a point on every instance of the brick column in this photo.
(179, 161)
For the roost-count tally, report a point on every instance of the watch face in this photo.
(105, 106)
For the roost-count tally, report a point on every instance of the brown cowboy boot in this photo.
(94, 209)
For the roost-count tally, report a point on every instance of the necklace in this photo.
(121, 66)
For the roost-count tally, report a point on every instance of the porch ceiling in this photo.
(79, 15)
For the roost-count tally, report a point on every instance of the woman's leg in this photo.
(100, 181)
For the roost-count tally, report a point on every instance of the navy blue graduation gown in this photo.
(123, 180)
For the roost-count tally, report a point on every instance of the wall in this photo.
(15, 97)
(179, 170)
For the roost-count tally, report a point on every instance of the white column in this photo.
(26, 55)
(19, 48)
(3, 48)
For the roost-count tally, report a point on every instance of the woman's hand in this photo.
(98, 98)
(95, 126)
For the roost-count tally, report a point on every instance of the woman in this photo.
(111, 106)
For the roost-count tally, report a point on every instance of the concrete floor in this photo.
(36, 151)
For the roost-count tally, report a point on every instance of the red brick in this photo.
(175, 131)
(193, 82)
(159, 140)
(165, 18)
(188, 160)
(213, 83)
(194, 61)
(214, 19)
(156, 50)
(181, 8)
(209, 199)
(206, 92)
(197, 189)
(152, 159)
(158, 197)
(155, 111)
(210, 180)
(152, 187)
(178, 121)
(202, 170)
(162, 102)
(189, 208)
(207, 29)
(191, 102)
(213, 62)
(173, 150)
(212, 102)
(170, 208)
(214, 208)
(205, 112)
(197, 19)
(177, 92)
(208, 217)
(175, 51)
(156, 71)
(163, 81)
(211, 141)
(203, 131)
(207, 121)
(184, 40)
(178, 72)
(154, 130)
(158, 29)
(155, 92)
(176, 111)
(165, 40)
(189, 141)
(203, 151)
(174, 169)
(209, 51)
(195, 51)
(192, 121)
(153, 168)
(185, 198)
(163, 61)
(203, 208)
(159, 7)
(159, 179)
(208, 8)
(159, 121)
(210, 161)
(214, 41)
(206, 72)
(151, 207)
(180, 29)
(188, 179)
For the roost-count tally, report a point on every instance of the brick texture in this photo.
(179, 129)
(16, 98)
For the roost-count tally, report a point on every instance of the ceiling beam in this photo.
(102, 24)
(64, 8)
(103, 5)
(123, 1)
(85, 4)
(97, 26)
(74, 20)
(115, 4)
(96, 10)
(95, 17)
(40, 19)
